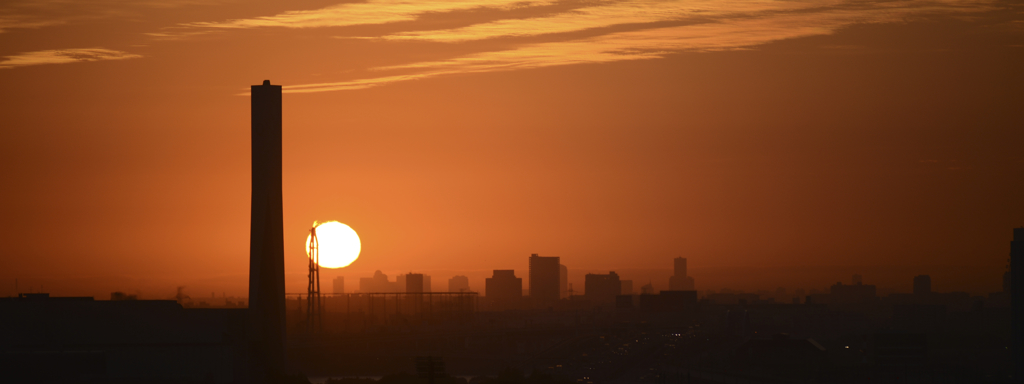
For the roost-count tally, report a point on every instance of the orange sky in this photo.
(773, 143)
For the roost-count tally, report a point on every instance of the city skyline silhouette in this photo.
(817, 191)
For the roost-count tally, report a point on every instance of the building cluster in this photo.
(548, 287)
(379, 283)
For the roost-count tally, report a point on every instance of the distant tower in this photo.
(339, 285)
(314, 306)
(680, 281)
(544, 273)
(922, 284)
(266, 237)
(1017, 300)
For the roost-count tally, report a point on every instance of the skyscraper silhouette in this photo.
(544, 277)
(266, 238)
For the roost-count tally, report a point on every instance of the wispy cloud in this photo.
(45, 13)
(653, 11)
(727, 34)
(606, 15)
(64, 56)
(370, 12)
(21, 21)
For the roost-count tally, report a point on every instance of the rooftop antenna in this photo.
(314, 307)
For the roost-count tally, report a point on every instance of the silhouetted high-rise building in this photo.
(563, 281)
(680, 281)
(602, 288)
(627, 287)
(544, 276)
(266, 237)
(339, 284)
(414, 283)
(458, 284)
(1017, 300)
(922, 285)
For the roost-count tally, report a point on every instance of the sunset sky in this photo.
(772, 143)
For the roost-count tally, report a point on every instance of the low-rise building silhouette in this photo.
(458, 284)
(338, 285)
(503, 289)
(400, 280)
(414, 283)
(602, 288)
(379, 283)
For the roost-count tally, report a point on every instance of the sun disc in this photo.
(338, 244)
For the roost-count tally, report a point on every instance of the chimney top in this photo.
(266, 82)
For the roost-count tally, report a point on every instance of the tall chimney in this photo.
(266, 238)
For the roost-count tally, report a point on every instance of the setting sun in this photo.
(338, 243)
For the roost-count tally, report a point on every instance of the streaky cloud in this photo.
(606, 15)
(729, 34)
(653, 11)
(64, 56)
(30, 14)
(370, 12)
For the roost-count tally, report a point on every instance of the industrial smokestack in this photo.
(266, 238)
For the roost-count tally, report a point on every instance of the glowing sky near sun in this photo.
(773, 143)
